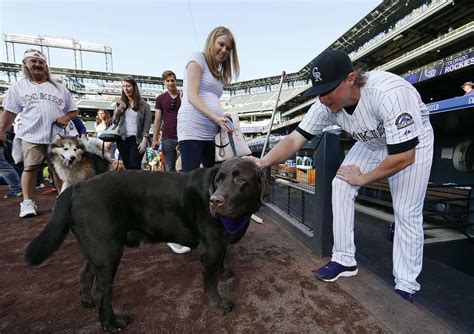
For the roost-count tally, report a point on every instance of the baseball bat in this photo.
(283, 75)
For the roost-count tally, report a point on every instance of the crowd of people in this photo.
(382, 112)
(47, 109)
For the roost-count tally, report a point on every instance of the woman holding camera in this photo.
(201, 115)
(134, 116)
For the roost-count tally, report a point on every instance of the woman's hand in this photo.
(119, 111)
(121, 106)
(223, 124)
(143, 145)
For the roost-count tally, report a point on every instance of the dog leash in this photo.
(222, 147)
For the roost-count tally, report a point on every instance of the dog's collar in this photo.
(233, 226)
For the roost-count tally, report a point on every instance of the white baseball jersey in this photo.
(39, 105)
(390, 111)
(389, 114)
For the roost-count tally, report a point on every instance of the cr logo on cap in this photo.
(317, 74)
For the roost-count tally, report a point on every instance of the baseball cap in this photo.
(468, 83)
(33, 53)
(328, 70)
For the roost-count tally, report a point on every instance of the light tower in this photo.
(46, 42)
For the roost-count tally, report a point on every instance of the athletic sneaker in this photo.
(178, 249)
(13, 195)
(27, 208)
(333, 270)
(40, 186)
(405, 295)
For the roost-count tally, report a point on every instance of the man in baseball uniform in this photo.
(46, 108)
(394, 139)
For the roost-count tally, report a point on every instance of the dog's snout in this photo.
(216, 200)
(72, 158)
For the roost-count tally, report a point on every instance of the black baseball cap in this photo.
(328, 70)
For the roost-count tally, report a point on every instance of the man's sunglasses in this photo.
(173, 104)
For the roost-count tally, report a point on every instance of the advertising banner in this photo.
(431, 72)
(413, 78)
(446, 67)
(459, 62)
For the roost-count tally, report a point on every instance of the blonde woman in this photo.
(102, 121)
(201, 116)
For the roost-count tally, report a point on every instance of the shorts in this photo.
(33, 155)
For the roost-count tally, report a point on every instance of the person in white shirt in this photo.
(394, 139)
(46, 108)
(201, 115)
(102, 121)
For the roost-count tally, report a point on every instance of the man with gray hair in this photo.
(467, 86)
(46, 108)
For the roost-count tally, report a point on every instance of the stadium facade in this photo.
(427, 42)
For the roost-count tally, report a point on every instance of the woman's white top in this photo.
(192, 124)
(130, 122)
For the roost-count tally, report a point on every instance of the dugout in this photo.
(303, 204)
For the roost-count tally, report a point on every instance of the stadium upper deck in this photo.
(427, 42)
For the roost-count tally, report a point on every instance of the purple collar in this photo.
(233, 226)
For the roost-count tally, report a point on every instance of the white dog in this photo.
(72, 162)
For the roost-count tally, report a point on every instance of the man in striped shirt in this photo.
(394, 140)
(46, 108)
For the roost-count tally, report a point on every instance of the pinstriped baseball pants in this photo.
(408, 189)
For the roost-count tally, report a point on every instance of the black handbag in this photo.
(111, 133)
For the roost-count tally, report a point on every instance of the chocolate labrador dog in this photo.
(207, 208)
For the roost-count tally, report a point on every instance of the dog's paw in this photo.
(134, 238)
(224, 307)
(121, 321)
(87, 301)
(227, 273)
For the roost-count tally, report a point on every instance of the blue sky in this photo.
(148, 37)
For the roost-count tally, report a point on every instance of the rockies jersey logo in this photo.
(370, 134)
(404, 120)
(317, 75)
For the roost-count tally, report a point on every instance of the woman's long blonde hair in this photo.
(230, 67)
(98, 120)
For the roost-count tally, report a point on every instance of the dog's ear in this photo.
(263, 184)
(212, 173)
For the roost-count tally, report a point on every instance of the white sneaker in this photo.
(178, 249)
(27, 208)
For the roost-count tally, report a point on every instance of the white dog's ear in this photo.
(58, 136)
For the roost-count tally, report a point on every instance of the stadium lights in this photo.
(58, 41)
